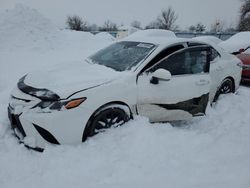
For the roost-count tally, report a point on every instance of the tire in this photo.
(105, 118)
(226, 87)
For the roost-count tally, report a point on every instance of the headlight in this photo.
(58, 105)
(43, 104)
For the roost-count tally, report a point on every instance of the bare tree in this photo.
(192, 28)
(217, 26)
(231, 28)
(153, 25)
(167, 19)
(136, 24)
(200, 27)
(108, 26)
(244, 24)
(76, 23)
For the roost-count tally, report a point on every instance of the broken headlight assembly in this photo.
(59, 105)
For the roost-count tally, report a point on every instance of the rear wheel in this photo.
(107, 117)
(226, 87)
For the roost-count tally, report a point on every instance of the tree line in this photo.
(166, 20)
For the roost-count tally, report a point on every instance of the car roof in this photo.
(155, 36)
(208, 39)
(160, 37)
(158, 40)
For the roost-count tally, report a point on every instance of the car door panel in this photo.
(182, 97)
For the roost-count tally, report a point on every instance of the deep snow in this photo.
(208, 152)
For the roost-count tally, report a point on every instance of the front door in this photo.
(185, 95)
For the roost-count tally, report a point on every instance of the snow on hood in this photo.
(236, 42)
(65, 81)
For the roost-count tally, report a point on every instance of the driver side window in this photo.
(188, 61)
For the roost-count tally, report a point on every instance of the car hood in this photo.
(233, 47)
(61, 83)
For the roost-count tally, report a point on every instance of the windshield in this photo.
(122, 56)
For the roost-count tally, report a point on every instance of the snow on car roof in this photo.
(208, 39)
(236, 42)
(153, 33)
(155, 36)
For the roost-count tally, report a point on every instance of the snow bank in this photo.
(104, 36)
(236, 42)
(23, 27)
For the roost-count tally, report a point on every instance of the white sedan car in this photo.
(162, 78)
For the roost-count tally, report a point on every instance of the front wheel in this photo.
(107, 117)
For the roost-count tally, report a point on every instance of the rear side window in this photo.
(214, 54)
(189, 61)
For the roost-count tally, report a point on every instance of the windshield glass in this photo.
(122, 56)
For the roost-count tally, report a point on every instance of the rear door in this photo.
(185, 95)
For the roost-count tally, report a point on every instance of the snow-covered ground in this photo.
(208, 152)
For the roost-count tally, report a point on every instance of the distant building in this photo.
(125, 31)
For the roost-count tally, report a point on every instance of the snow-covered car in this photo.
(162, 78)
(239, 45)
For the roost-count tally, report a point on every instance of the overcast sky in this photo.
(189, 12)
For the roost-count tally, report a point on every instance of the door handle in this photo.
(219, 68)
(202, 82)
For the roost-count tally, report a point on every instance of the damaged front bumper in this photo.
(28, 133)
(19, 131)
(36, 127)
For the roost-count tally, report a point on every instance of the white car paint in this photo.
(132, 88)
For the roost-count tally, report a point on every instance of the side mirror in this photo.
(241, 50)
(160, 74)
